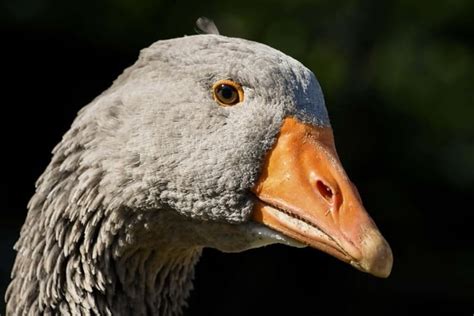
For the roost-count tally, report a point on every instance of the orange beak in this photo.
(304, 193)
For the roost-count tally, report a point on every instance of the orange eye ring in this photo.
(227, 92)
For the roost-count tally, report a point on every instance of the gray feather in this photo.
(206, 26)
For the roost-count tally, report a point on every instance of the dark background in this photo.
(398, 79)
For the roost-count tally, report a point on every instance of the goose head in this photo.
(232, 139)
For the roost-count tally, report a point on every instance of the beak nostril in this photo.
(325, 191)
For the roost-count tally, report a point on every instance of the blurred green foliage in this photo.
(397, 76)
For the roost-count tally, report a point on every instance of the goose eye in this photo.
(227, 92)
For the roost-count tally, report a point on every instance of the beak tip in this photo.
(383, 266)
(377, 255)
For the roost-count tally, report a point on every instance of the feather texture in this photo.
(206, 26)
(152, 171)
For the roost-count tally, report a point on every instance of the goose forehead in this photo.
(276, 76)
(225, 54)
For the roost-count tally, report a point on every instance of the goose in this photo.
(206, 141)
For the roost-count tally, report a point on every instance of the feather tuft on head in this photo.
(206, 26)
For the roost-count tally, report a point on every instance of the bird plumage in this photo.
(150, 172)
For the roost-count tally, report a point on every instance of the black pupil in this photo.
(227, 92)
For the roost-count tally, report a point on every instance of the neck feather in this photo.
(77, 254)
(153, 282)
